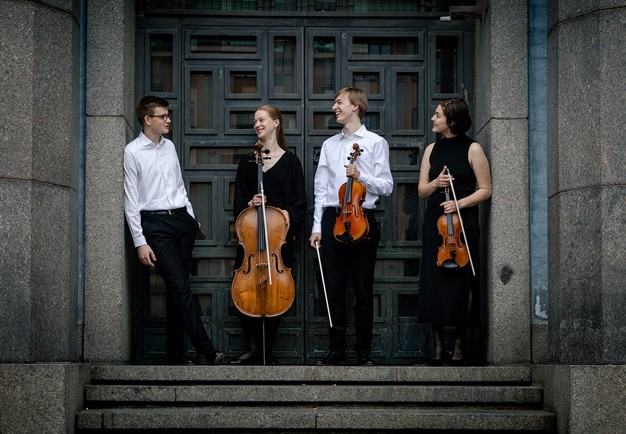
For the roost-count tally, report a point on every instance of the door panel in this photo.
(215, 77)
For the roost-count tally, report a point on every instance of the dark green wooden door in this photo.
(215, 72)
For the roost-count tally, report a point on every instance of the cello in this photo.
(262, 285)
(351, 224)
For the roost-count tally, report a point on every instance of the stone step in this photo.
(199, 374)
(315, 418)
(309, 393)
(297, 399)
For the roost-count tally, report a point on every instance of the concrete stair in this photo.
(292, 399)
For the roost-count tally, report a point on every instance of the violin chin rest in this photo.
(344, 238)
(450, 265)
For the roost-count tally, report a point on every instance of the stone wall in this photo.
(501, 125)
(38, 181)
(586, 384)
(110, 116)
(41, 343)
(587, 181)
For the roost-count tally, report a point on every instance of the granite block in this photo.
(55, 97)
(38, 258)
(16, 69)
(509, 51)
(598, 394)
(108, 313)
(41, 397)
(41, 120)
(506, 235)
(111, 59)
(590, 61)
(586, 276)
(585, 398)
(53, 275)
(16, 265)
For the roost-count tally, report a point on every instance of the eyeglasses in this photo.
(162, 117)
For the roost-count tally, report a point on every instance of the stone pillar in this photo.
(587, 181)
(501, 123)
(41, 383)
(39, 146)
(110, 116)
(586, 214)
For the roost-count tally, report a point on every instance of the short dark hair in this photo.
(146, 106)
(457, 115)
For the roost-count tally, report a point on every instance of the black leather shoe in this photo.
(335, 358)
(214, 357)
(364, 360)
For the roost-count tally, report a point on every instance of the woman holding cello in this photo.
(284, 189)
(455, 178)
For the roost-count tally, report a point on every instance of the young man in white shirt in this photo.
(163, 226)
(357, 257)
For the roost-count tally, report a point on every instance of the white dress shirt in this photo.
(152, 181)
(373, 165)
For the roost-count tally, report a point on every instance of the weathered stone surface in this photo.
(43, 397)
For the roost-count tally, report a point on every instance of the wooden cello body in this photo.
(262, 286)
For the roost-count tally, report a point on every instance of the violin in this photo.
(262, 286)
(351, 225)
(452, 254)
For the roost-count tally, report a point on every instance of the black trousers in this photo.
(172, 238)
(357, 259)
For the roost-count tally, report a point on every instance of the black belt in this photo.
(336, 210)
(164, 211)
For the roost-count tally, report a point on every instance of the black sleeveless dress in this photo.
(444, 296)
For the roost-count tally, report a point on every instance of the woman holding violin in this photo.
(353, 171)
(455, 178)
(284, 189)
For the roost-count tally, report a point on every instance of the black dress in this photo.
(283, 185)
(444, 295)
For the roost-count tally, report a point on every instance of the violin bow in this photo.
(317, 247)
(458, 211)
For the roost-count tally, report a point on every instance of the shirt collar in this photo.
(358, 133)
(145, 141)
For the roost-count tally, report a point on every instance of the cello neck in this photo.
(261, 236)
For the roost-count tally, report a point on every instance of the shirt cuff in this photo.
(140, 241)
